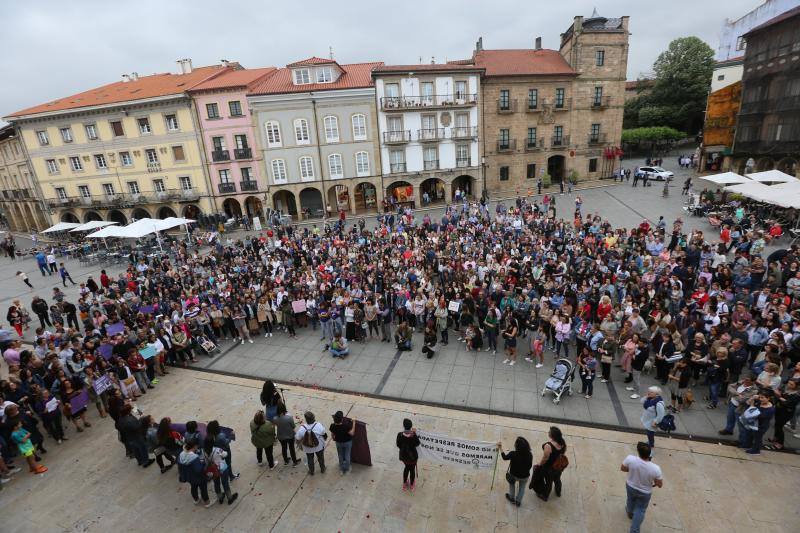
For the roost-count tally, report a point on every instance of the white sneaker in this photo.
(603, 381)
(15, 470)
(266, 335)
(539, 365)
(270, 334)
(511, 363)
(494, 352)
(242, 341)
(634, 396)
(4, 480)
(528, 359)
(629, 388)
(250, 341)
(211, 502)
(505, 362)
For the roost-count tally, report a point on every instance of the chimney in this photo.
(433, 60)
(479, 45)
(126, 78)
(224, 62)
(134, 76)
(538, 43)
(185, 65)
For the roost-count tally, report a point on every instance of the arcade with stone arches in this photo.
(24, 216)
(434, 190)
(309, 201)
(127, 215)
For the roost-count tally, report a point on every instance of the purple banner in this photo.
(79, 402)
(114, 329)
(147, 309)
(102, 384)
(106, 350)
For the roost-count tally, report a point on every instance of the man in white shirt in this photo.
(643, 475)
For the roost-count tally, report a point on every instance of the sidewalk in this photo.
(101, 491)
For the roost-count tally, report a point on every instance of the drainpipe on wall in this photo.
(319, 156)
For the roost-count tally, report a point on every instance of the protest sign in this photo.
(113, 329)
(299, 306)
(147, 309)
(147, 352)
(102, 384)
(451, 451)
(79, 402)
(106, 350)
(454, 306)
(257, 224)
(51, 405)
(129, 387)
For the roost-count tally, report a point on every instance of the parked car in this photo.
(655, 173)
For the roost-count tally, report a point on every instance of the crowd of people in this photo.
(711, 318)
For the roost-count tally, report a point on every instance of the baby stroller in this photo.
(206, 345)
(560, 381)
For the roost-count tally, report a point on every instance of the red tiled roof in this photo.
(235, 78)
(635, 84)
(780, 18)
(355, 76)
(443, 67)
(125, 91)
(311, 61)
(522, 62)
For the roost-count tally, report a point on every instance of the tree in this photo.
(656, 134)
(678, 98)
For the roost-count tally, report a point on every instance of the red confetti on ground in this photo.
(367, 516)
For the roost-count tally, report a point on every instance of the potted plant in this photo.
(573, 177)
(546, 180)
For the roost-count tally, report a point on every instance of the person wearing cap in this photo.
(342, 431)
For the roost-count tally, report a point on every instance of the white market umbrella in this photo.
(61, 226)
(726, 178)
(92, 225)
(771, 176)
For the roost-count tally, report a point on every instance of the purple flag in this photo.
(106, 350)
(113, 329)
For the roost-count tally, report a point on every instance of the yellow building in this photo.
(123, 151)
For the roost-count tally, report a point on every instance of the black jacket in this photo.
(521, 463)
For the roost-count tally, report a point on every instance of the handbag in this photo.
(561, 463)
(509, 476)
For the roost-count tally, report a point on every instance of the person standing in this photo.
(654, 411)
(547, 472)
(191, 470)
(41, 262)
(519, 469)
(51, 262)
(24, 277)
(342, 431)
(312, 437)
(214, 458)
(284, 423)
(64, 273)
(262, 436)
(643, 475)
(407, 441)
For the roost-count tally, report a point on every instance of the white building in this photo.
(429, 126)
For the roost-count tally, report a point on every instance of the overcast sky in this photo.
(56, 48)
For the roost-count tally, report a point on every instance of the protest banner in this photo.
(113, 329)
(106, 350)
(147, 309)
(102, 384)
(147, 352)
(460, 453)
(78, 402)
(299, 306)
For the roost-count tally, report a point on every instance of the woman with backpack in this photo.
(192, 470)
(519, 469)
(547, 472)
(312, 437)
(653, 413)
(218, 470)
(407, 441)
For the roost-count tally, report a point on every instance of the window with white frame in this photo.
(133, 187)
(152, 156)
(43, 138)
(461, 90)
(235, 107)
(324, 75)
(301, 131)
(426, 91)
(359, 127)
(273, 130)
(144, 126)
(84, 191)
(100, 161)
(158, 185)
(306, 168)
(362, 164)
(125, 159)
(302, 76)
(91, 132)
(172, 122)
(212, 111)
(108, 189)
(186, 183)
(279, 171)
(61, 192)
(331, 129)
(75, 163)
(335, 166)
(52, 166)
(225, 176)
(66, 135)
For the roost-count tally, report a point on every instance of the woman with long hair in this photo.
(547, 472)
(169, 444)
(519, 469)
(270, 398)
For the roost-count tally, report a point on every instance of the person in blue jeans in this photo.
(643, 475)
(338, 346)
(342, 431)
(41, 262)
(744, 390)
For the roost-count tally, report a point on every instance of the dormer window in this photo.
(302, 76)
(324, 75)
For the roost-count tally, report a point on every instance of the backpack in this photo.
(310, 439)
(667, 423)
(561, 463)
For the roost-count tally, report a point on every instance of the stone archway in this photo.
(70, 217)
(41, 219)
(166, 212)
(311, 203)
(115, 215)
(139, 213)
(788, 165)
(232, 208)
(191, 211)
(254, 208)
(30, 220)
(365, 196)
(464, 183)
(15, 215)
(555, 168)
(284, 202)
(401, 191)
(339, 198)
(90, 216)
(432, 191)
(764, 164)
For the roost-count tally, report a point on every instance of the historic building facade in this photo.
(124, 151)
(556, 113)
(317, 132)
(234, 163)
(429, 127)
(20, 205)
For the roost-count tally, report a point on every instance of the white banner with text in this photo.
(456, 452)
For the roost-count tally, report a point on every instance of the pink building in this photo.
(229, 141)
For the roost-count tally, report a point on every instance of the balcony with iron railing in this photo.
(247, 186)
(396, 168)
(226, 188)
(506, 145)
(431, 164)
(601, 103)
(531, 145)
(243, 153)
(154, 166)
(430, 135)
(396, 137)
(400, 103)
(561, 142)
(506, 105)
(464, 132)
(220, 155)
(122, 199)
(562, 105)
(597, 138)
(463, 162)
